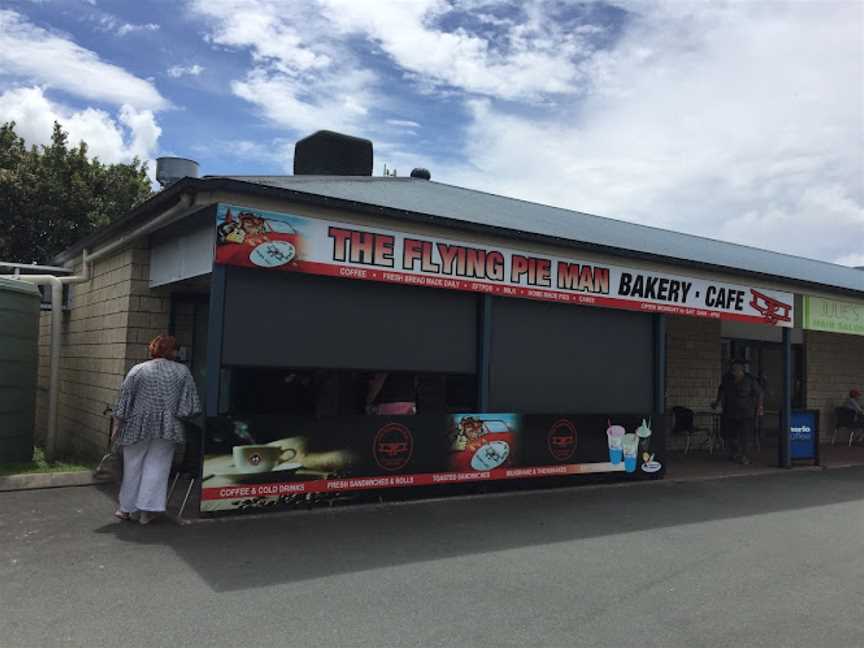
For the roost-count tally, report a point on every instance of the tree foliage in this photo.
(52, 196)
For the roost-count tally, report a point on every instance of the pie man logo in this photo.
(255, 459)
(393, 446)
(772, 310)
(562, 440)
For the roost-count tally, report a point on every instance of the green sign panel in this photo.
(834, 316)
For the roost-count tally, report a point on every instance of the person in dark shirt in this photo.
(741, 398)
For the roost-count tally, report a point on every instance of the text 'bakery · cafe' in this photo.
(356, 335)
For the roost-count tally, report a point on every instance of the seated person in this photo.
(853, 404)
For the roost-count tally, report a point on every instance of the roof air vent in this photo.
(421, 174)
(329, 153)
(171, 169)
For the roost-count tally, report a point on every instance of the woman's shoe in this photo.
(122, 515)
(145, 517)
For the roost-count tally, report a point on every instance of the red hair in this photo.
(163, 346)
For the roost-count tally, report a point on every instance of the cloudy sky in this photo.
(742, 121)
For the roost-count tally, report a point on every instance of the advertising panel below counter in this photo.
(268, 461)
(275, 241)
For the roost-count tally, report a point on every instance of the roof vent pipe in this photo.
(171, 169)
(421, 174)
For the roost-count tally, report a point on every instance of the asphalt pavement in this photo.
(771, 560)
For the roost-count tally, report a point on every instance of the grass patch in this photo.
(40, 465)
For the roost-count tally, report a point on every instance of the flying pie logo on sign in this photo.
(771, 309)
(562, 440)
(255, 459)
(273, 254)
(393, 446)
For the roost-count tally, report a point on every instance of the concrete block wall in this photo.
(834, 364)
(105, 332)
(693, 362)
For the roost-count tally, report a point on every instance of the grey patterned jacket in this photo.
(153, 398)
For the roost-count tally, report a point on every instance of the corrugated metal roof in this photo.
(490, 210)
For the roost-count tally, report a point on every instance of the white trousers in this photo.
(146, 466)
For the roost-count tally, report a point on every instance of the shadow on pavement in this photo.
(239, 554)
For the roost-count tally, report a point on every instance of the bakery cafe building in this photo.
(358, 336)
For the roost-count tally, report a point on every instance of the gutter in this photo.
(160, 201)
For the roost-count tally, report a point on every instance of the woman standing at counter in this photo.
(392, 394)
(153, 399)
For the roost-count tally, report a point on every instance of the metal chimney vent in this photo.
(171, 169)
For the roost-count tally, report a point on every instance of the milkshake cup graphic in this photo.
(615, 434)
(643, 432)
(630, 445)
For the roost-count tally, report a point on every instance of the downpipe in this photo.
(56, 284)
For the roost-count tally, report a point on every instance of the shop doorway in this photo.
(764, 361)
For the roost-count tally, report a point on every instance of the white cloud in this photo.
(743, 123)
(177, 71)
(128, 28)
(305, 71)
(520, 59)
(337, 103)
(107, 22)
(403, 123)
(269, 31)
(299, 79)
(35, 54)
(112, 139)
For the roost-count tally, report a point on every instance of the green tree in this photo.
(54, 195)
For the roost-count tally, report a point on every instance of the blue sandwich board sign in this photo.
(804, 436)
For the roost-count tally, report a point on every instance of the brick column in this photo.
(835, 364)
(693, 362)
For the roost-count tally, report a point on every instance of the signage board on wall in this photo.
(833, 315)
(265, 466)
(261, 239)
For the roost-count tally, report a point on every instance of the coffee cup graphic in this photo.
(615, 435)
(260, 458)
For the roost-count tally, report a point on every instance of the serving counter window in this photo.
(280, 319)
(329, 393)
(560, 358)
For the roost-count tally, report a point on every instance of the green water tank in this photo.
(19, 366)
